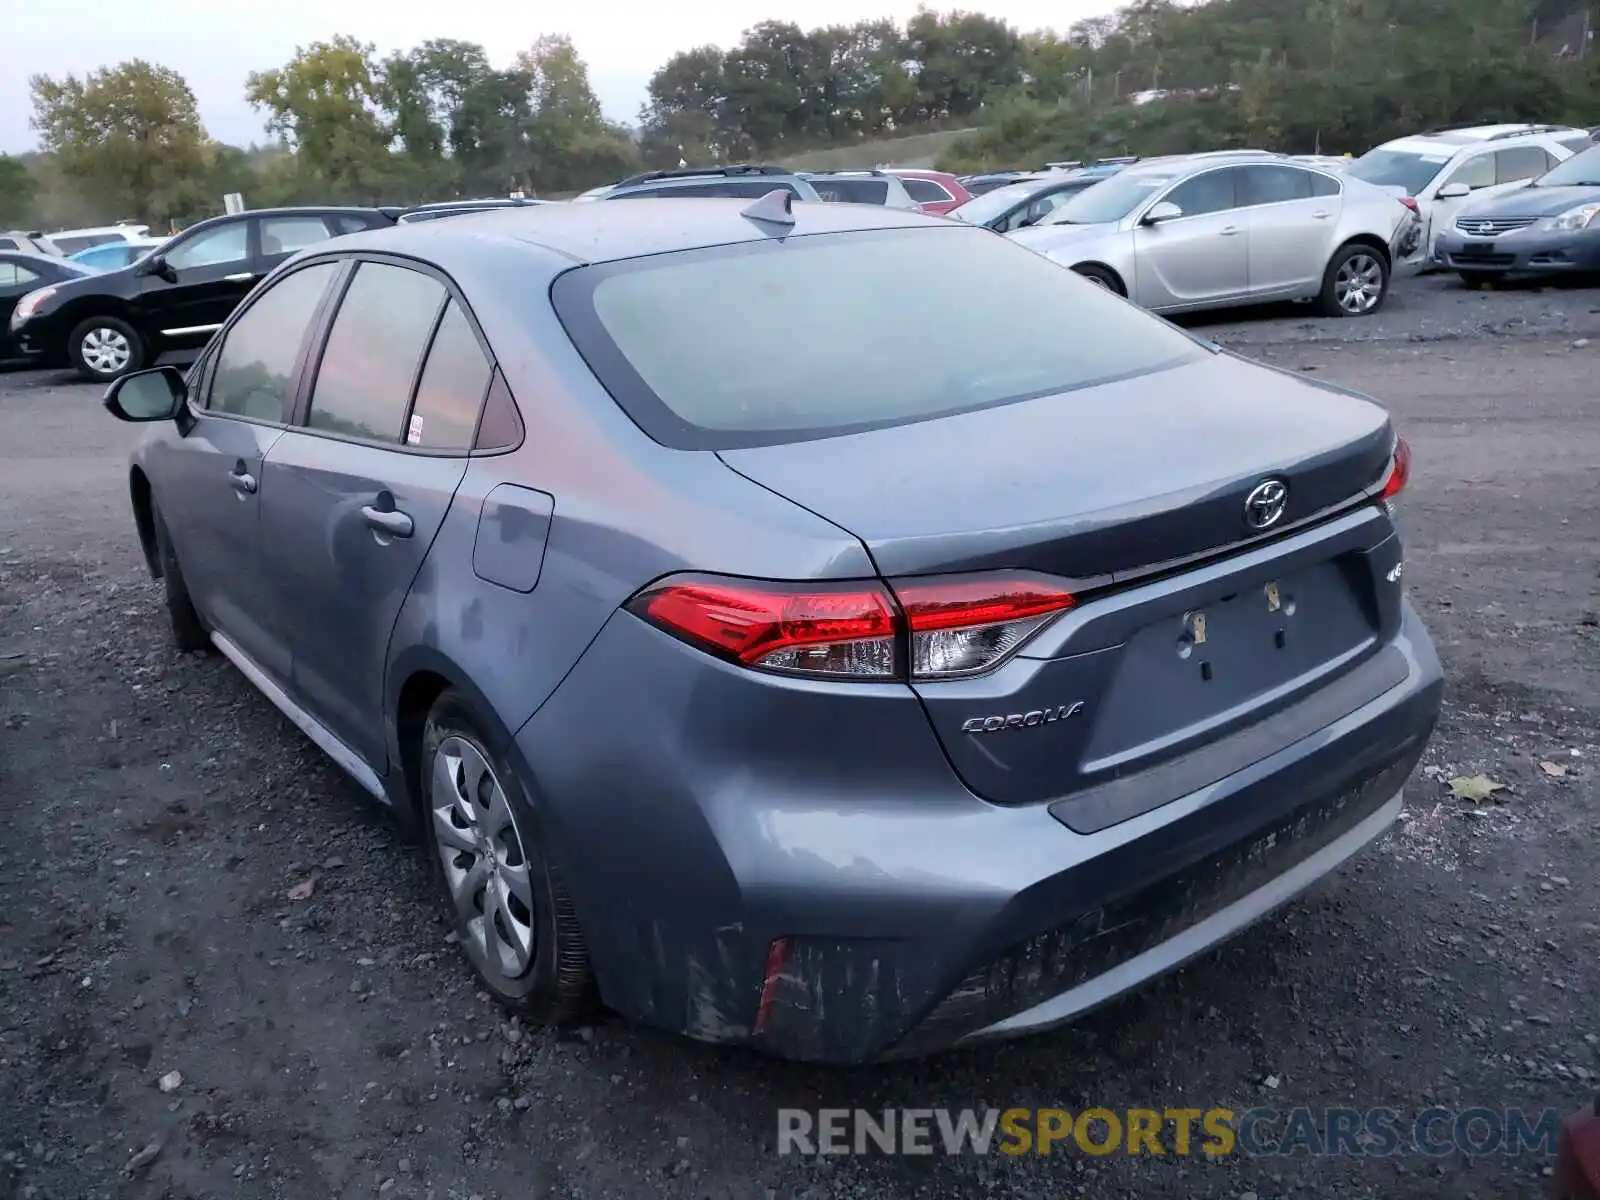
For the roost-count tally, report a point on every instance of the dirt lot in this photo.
(157, 813)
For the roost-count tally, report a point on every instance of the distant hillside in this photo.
(917, 150)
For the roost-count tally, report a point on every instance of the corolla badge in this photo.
(1264, 506)
(1023, 720)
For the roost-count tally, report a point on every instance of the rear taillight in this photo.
(923, 629)
(1399, 473)
(1411, 203)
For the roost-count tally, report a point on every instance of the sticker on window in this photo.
(414, 431)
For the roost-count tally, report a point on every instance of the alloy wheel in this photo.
(105, 351)
(485, 867)
(1358, 286)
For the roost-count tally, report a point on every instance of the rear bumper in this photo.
(1525, 252)
(911, 915)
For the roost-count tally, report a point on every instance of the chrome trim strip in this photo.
(186, 330)
(347, 759)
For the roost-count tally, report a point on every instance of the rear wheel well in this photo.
(144, 519)
(1371, 243)
(417, 696)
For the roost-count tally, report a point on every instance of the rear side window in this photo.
(285, 235)
(1323, 185)
(255, 366)
(363, 384)
(852, 191)
(728, 347)
(1517, 163)
(1273, 185)
(926, 191)
(452, 387)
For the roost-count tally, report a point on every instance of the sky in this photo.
(214, 45)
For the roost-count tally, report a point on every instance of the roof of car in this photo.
(591, 233)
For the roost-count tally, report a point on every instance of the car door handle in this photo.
(1229, 230)
(241, 480)
(388, 520)
(238, 277)
(1322, 214)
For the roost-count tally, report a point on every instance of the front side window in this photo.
(1474, 173)
(1517, 163)
(1212, 192)
(925, 191)
(255, 367)
(13, 275)
(225, 245)
(285, 235)
(1581, 170)
(729, 347)
(363, 384)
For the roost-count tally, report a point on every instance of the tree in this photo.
(324, 102)
(128, 135)
(568, 141)
(18, 191)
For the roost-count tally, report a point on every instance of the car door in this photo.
(210, 274)
(209, 485)
(1290, 227)
(1201, 257)
(359, 487)
(1477, 174)
(16, 281)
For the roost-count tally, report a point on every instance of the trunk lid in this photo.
(1087, 485)
(1156, 687)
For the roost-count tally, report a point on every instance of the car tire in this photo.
(472, 801)
(188, 631)
(1103, 277)
(105, 348)
(1473, 280)
(1356, 282)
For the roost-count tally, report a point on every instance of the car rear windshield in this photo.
(815, 336)
(852, 191)
(1410, 169)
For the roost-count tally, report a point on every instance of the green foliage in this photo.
(18, 190)
(1333, 76)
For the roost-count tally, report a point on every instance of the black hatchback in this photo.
(114, 322)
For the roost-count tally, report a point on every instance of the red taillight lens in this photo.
(940, 628)
(813, 630)
(966, 626)
(1399, 471)
(1411, 203)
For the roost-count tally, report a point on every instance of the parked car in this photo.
(70, 241)
(456, 208)
(108, 256)
(1551, 226)
(1214, 231)
(21, 272)
(1436, 173)
(29, 242)
(1026, 202)
(860, 187)
(113, 322)
(934, 191)
(977, 185)
(569, 536)
(746, 180)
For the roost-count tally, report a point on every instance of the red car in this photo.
(934, 191)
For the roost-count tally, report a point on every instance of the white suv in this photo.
(1435, 173)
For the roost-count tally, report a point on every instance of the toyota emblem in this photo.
(1265, 505)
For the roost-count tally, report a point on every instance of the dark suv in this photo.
(111, 323)
(748, 181)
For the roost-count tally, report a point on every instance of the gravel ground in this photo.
(174, 1024)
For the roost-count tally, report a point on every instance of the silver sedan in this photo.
(1212, 231)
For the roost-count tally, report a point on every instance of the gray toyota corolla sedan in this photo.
(771, 654)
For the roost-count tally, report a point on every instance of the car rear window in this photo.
(852, 191)
(926, 191)
(729, 346)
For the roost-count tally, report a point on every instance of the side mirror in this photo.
(158, 394)
(1454, 191)
(1166, 210)
(156, 264)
